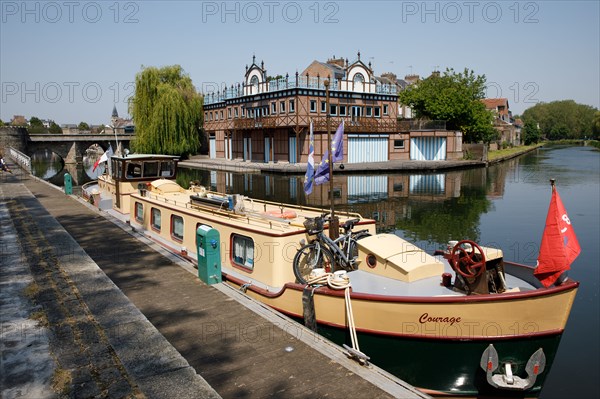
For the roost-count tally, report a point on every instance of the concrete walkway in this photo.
(66, 329)
(237, 165)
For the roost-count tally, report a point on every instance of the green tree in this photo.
(83, 126)
(36, 125)
(54, 128)
(455, 98)
(596, 126)
(531, 132)
(562, 119)
(167, 111)
(1, 123)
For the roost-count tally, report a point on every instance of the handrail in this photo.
(23, 160)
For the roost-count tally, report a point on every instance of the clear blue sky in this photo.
(71, 61)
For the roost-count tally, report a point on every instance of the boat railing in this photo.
(301, 208)
(249, 216)
(85, 188)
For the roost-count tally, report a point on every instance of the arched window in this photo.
(254, 83)
(359, 78)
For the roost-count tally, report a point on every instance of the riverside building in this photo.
(267, 118)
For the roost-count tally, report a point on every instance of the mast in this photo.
(334, 224)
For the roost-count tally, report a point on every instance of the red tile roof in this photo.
(494, 103)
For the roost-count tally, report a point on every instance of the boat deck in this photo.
(368, 283)
(239, 353)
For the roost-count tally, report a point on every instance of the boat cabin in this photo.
(127, 174)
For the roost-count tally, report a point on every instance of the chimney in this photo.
(391, 76)
(411, 79)
(336, 61)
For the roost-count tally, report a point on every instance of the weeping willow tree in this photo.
(167, 112)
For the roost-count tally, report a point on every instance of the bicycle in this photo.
(325, 253)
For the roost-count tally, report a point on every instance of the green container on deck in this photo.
(68, 184)
(208, 245)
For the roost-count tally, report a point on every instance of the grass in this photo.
(61, 381)
(32, 290)
(41, 317)
(507, 152)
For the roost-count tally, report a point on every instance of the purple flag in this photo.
(310, 168)
(337, 145)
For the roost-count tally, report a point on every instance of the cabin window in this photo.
(273, 107)
(155, 219)
(342, 110)
(398, 144)
(313, 105)
(377, 112)
(292, 106)
(134, 170)
(243, 251)
(167, 169)
(177, 227)
(323, 107)
(369, 111)
(150, 169)
(235, 112)
(333, 109)
(139, 212)
(282, 107)
(385, 109)
(116, 168)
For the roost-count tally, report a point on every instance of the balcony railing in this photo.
(411, 125)
(303, 82)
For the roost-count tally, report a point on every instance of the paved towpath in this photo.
(66, 329)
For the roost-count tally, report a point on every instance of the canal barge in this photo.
(461, 322)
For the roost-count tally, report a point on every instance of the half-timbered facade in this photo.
(267, 119)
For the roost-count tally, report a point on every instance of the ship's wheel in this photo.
(467, 259)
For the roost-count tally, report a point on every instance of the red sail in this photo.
(559, 246)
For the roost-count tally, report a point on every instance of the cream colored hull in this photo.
(472, 318)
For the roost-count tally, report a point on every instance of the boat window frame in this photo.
(171, 168)
(153, 219)
(157, 163)
(243, 266)
(134, 172)
(172, 225)
(139, 212)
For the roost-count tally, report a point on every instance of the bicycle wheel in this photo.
(310, 257)
(354, 246)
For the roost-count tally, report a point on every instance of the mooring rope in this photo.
(342, 282)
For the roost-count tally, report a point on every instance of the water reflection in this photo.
(46, 164)
(92, 155)
(426, 206)
(50, 166)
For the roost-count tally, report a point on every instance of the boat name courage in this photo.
(425, 318)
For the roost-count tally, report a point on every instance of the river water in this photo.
(504, 205)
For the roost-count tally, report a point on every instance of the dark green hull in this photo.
(450, 367)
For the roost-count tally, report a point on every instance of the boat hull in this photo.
(450, 368)
(436, 344)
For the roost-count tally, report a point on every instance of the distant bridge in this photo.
(71, 147)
